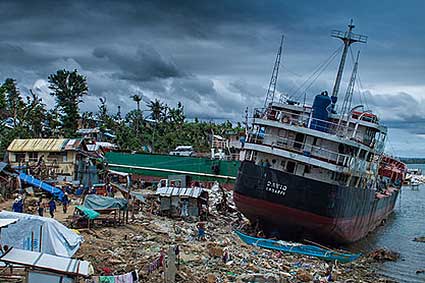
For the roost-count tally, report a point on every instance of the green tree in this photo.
(53, 123)
(176, 115)
(137, 98)
(68, 89)
(157, 109)
(35, 115)
(107, 122)
(13, 100)
(3, 104)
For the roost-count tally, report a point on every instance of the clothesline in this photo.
(130, 277)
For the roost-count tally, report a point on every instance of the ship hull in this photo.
(293, 206)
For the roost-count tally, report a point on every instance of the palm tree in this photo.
(137, 98)
(157, 109)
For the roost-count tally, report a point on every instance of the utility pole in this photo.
(273, 80)
(348, 38)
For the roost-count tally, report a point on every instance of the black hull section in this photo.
(289, 204)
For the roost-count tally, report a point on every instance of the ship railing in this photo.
(305, 149)
(305, 120)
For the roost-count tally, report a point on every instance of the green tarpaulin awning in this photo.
(90, 213)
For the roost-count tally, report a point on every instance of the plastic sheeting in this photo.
(90, 213)
(138, 196)
(56, 239)
(96, 202)
(40, 184)
(6, 222)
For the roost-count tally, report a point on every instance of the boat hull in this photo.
(297, 207)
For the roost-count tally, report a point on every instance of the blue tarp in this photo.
(42, 185)
(96, 202)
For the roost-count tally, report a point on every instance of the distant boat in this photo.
(296, 248)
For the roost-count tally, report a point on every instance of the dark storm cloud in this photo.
(399, 110)
(144, 65)
(215, 57)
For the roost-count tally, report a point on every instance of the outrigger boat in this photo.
(296, 248)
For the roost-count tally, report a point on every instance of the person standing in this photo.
(40, 207)
(18, 205)
(52, 207)
(201, 231)
(65, 203)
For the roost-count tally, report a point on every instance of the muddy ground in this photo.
(221, 257)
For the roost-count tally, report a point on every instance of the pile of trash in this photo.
(384, 255)
(147, 244)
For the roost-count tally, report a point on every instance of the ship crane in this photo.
(348, 38)
(348, 98)
(273, 80)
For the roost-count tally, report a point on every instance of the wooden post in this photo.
(32, 240)
(40, 239)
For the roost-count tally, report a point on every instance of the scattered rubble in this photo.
(384, 255)
(419, 239)
(144, 245)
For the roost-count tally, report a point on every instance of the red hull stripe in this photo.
(338, 229)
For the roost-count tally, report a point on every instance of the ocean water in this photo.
(406, 223)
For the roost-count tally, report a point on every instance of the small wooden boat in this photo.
(296, 248)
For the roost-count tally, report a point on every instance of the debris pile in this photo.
(384, 255)
(145, 245)
(419, 239)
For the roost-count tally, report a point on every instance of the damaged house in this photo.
(63, 159)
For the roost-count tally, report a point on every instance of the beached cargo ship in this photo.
(317, 171)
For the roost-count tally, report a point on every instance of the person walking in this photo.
(201, 231)
(40, 207)
(52, 208)
(65, 203)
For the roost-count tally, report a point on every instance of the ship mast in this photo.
(348, 38)
(273, 80)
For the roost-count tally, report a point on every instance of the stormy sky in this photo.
(216, 57)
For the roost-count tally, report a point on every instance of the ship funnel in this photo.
(321, 111)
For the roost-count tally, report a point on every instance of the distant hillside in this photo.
(413, 160)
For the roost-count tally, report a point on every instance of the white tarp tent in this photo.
(38, 233)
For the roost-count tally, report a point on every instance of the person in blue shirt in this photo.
(52, 207)
(18, 205)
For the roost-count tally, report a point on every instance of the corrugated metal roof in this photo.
(183, 192)
(88, 131)
(73, 144)
(44, 145)
(62, 265)
(37, 145)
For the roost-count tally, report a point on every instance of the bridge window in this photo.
(290, 167)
